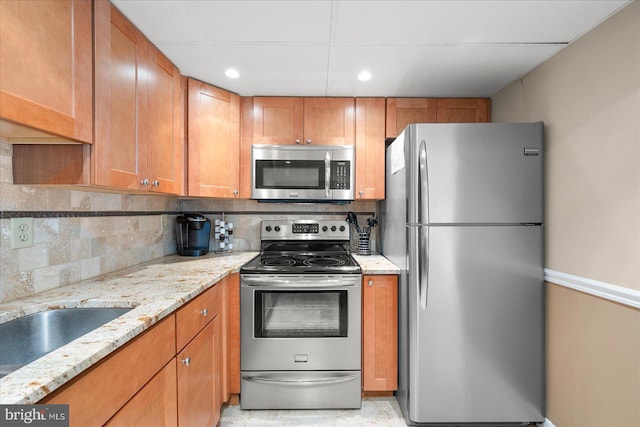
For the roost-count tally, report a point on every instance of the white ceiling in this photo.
(413, 48)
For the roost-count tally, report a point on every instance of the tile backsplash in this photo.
(80, 233)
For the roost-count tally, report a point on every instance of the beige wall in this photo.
(588, 95)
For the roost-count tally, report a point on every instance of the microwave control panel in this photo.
(340, 175)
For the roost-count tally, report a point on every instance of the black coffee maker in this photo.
(193, 231)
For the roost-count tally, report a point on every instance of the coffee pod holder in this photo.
(223, 236)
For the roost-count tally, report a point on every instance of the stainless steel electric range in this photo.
(300, 305)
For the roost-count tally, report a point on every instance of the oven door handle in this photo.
(300, 282)
(298, 382)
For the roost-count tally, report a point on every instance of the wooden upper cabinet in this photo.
(295, 120)
(165, 147)
(277, 120)
(329, 121)
(46, 79)
(119, 152)
(138, 144)
(370, 144)
(404, 111)
(214, 141)
(464, 110)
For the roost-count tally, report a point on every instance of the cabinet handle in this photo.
(297, 141)
(370, 282)
(186, 361)
(144, 182)
(235, 193)
(361, 193)
(308, 141)
(204, 312)
(156, 183)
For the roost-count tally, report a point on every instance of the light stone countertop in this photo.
(155, 289)
(376, 264)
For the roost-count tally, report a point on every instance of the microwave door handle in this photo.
(327, 173)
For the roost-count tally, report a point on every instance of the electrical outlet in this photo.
(21, 233)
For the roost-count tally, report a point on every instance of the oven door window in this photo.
(290, 174)
(297, 314)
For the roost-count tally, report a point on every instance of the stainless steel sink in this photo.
(28, 338)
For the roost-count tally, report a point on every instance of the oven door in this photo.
(300, 322)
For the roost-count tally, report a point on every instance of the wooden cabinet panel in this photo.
(197, 399)
(277, 120)
(119, 153)
(96, 395)
(370, 144)
(155, 405)
(329, 121)
(214, 141)
(138, 145)
(380, 333)
(404, 111)
(193, 316)
(464, 110)
(165, 148)
(46, 61)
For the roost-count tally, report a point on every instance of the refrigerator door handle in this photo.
(423, 265)
(423, 189)
(423, 231)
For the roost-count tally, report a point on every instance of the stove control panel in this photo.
(304, 230)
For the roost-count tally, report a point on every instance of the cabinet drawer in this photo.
(194, 316)
(99, 393)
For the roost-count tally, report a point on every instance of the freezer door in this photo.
(477, 173)
(476, 327)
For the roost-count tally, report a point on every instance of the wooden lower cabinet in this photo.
(379, 333)
(197, 397)
(155, 405)
(96, 395)
(179, 372)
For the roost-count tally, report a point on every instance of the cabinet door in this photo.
(277, 120)
(329, 121)
(100, 392)
(46, 61)
(165, 144)
(197, 399)
(404, 111)
(154, 405)
(370, 138)
(120, 150)
(214, 141)
(464, 110)
(380, 333)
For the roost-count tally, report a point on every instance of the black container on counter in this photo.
(193, 231)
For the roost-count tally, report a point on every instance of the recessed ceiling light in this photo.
(364, 76)
(232, 74)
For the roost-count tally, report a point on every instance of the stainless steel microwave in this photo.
(303, 173)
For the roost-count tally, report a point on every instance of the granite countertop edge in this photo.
(153, 290)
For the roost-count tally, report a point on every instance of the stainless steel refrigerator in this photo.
(463, 218)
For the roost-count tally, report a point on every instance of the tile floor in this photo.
(375, 411)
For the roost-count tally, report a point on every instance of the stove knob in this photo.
(333, 228)
(325, 228)
(268, 228)
(277, 228)
(342, 228)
